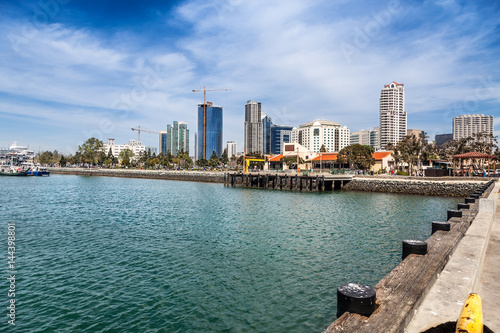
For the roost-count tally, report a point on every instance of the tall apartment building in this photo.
(231, 149)
(280, 134)
(163, 142)
(392, 115)
(469, 124)
(209, 136)
(366, 138)
(267, 123)
(317, 133)
(253, 127)
(177, 138)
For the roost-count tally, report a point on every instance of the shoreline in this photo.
(435, 186)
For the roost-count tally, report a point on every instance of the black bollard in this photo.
(413, 247)
(355, 298)
(475, 196)
(453, 213)
(438, 225)
(463, 206)
(470, 200)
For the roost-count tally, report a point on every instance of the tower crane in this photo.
(204, 144)
(139, 130)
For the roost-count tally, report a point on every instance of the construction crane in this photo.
(204, 144)
(139, 130)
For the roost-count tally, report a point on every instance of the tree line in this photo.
(91, 153)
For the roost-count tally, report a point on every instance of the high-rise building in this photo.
(209, 130)
(280, 134)
(163, 142)
(177, 138)
(470, 124)
(392, 114)
(267, 122)
(315, 134)
(231, 149)
(253, 127)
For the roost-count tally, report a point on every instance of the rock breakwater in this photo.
(422, 187)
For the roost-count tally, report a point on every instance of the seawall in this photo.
(193, 176)
(403, 290)
(423, 186)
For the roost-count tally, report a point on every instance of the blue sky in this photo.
(72, 69)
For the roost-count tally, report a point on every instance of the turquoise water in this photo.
(97, 254)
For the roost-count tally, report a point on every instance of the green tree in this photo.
(291, 161)
(224, 158)
(359, 156)
(214, 160)
(202, 162)
(90, 150)
(184, 159)
(410, 150)
(126, 156)
(322, 149)
(62, 161)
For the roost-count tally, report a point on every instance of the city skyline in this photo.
(72, 70)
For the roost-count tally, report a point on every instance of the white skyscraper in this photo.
(392, 114)
(253, 127)
(470, 124)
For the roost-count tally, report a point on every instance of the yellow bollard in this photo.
(471, 317)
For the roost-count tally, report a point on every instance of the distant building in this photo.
(375, 138)
(470, 124)
(392, 114)
(418, 133)
(267, 123)
(177, 138)
(253, 127)
(315, 134)
(443, 138)
(209, 137)
(135, 146)
(231, 149)
(280, 135)
(153, 150)
(366, 138)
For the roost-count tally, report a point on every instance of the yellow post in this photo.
(471, 317)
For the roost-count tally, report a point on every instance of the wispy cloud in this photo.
(301, 60)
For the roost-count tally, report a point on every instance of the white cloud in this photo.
(290, 55)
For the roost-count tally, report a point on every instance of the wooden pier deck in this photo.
(287, 181)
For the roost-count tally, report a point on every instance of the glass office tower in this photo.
(209, 131)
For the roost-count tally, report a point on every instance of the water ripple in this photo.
(135, 255)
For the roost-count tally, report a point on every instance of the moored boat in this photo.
(12, 171)
(39, 171)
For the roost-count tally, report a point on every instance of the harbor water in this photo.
(98, 254)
